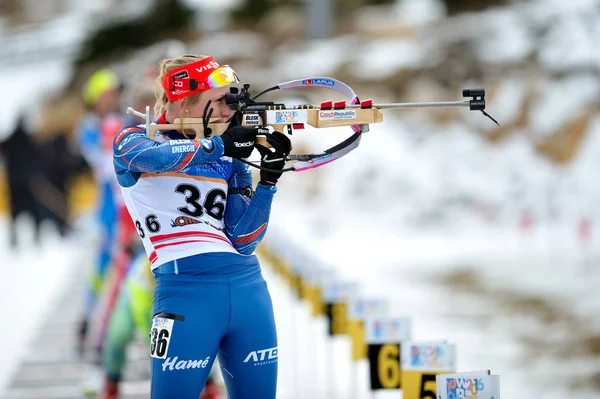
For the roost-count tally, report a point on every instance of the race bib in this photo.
(160, 336)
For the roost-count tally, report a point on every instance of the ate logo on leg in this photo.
(262, 357)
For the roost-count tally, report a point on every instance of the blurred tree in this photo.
(458, 6)
(167, 18)
(345, 8)
(13, 11)
(379, 2)
(250, 12)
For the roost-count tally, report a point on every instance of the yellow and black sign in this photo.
(296, 283)
(419, 384)
(386, 373)
(384, 363)
(337, 315)
(356, 330)
(312, 294)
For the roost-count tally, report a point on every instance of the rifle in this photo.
(281, 117)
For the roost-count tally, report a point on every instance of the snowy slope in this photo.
(32, 278)
(28, 86)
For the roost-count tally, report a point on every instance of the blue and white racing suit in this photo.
(95, 148)
(200, 223)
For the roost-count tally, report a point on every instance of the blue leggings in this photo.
(197, 316)
(107, 219)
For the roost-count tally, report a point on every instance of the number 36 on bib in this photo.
(160, 334)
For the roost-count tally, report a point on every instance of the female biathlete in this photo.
(200, 221)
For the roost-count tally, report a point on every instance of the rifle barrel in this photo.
(439, 104)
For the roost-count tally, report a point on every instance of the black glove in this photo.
(281, 146)
(239, 140)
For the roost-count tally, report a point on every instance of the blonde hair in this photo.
(167, 65)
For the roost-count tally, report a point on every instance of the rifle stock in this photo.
(278, 119)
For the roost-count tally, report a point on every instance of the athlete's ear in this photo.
(182, 104)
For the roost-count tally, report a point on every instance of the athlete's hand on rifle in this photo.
(273, 158)
(238, 140)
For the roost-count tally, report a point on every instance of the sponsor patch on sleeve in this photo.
(123, 132)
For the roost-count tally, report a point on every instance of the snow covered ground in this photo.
(510, 307)
(521, 301)
(32, 278)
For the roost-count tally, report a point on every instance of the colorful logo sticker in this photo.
(286, 116)
(318, 82)
(464, 388)
(337, 115)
